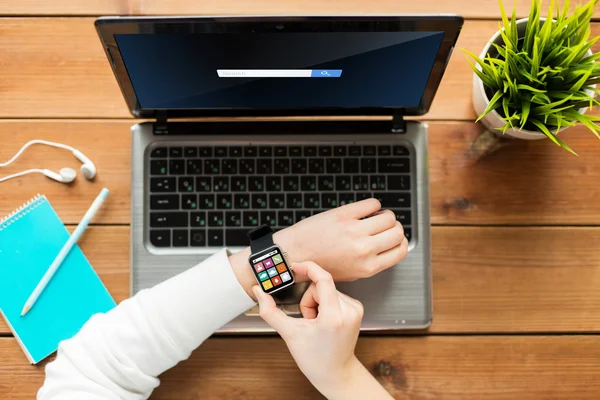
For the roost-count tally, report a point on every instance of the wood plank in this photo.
(486, 280)
(479, 9)
(524, 183)
(56, 68)
(501, 367)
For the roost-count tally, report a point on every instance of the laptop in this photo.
(307, 113)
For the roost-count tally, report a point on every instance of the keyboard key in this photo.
(312, 200)
(400, 150)
(215, 218)
(205, 152)
(164, 202)
(259, 201)
(369, 151)
(403, 216)
(394, 165)
(206, 201)
(180, 238)
(360, 182)
(316, 166)
(176, 167)
(160, 238)
(194, 167)
(378, 182)
(363, 195)
(161, 185)
(204, 184)
(299, 166)
(384, 150)
(264, 166)
(241, 201)
(339, 151)
(197, 238)
(294, 200)
(186, 184)
(168, 219)
(315, 212)
(310, 151)
(229, 167)
(158, 152)
(286, 218)
(393, 199)
(325, 151)
(238, 184)
(233, 218)
(273, 183)
(189, 201)
(329, 200)
(334, 165)
(256, 183)
(345, 198)
(175, 152)
(398, 182)
(215, 237)
(250, 218)
(302, 215)
(354, 151)
(220, 152)
(212, 167)
(408, 233)
(190, 152)
(308, 183)
(326, 182)
(158, 167)
(343, 182)
(368, 165)
(224, 201)
(247, 166)
(280, 151)
(250, 151)
(198, 219)
(295, 151)
(290, 183)
(281, 166)
(221, 183)
(276, 200)
(265, 151)
(351, 166)
(268, 218)
(236, 237)
(236, 151)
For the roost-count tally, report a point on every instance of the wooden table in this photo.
(516, 238)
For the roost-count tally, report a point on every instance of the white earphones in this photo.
(66, 175)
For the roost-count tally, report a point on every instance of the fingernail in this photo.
(256, 291)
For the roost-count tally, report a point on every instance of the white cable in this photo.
(37, 141)
(29, 171)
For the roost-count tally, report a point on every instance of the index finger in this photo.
(325, 292)
(361, 209)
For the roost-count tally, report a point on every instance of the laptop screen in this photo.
(287, 70)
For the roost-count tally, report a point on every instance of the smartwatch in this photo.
(268, 262)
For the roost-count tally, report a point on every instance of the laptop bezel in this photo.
(107, 27)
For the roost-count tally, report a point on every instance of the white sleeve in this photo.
(118, 355)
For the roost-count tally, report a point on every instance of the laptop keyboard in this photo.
(206, 196)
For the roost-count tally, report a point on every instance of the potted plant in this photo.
(537, 76)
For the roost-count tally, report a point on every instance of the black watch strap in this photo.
(260, 238)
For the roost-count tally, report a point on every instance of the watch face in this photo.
(271, 270)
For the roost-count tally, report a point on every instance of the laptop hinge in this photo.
(160, 126)
(398, 122)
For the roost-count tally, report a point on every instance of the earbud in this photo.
(88, 169)
(66, 175)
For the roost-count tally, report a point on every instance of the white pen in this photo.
(65, 250)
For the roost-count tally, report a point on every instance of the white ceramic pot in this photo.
(480, 99)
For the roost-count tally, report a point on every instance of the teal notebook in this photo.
(30, 239)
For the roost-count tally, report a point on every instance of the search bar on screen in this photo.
(279, 73)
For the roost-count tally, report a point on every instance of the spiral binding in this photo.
(21, 211)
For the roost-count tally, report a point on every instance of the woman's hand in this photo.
(345, 242)
(322, 343)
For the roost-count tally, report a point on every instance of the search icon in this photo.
(325, 73)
